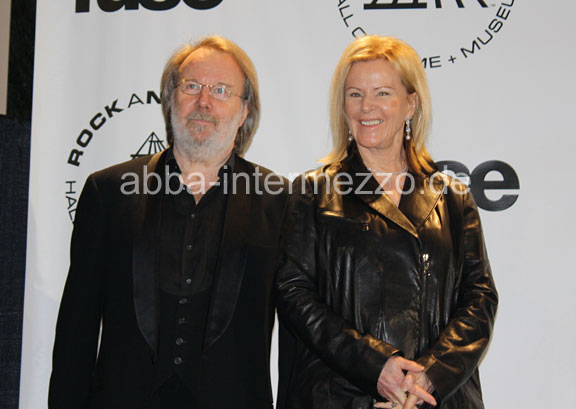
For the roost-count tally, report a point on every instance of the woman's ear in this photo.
(413, 101)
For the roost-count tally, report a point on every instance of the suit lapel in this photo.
(232, 255)
(144, 262)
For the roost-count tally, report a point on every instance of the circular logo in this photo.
(444, 32)
(124, 128)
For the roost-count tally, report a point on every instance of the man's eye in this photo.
(192, 85)
(220, 90)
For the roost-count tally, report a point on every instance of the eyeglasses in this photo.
(220, 92)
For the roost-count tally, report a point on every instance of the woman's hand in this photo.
(387, 405)
(418, 386)
(392, 377)
(393, 384)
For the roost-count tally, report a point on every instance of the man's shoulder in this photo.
(262, 173)
(244, 164)
(264, 182)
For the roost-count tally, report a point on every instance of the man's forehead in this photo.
(210, 62)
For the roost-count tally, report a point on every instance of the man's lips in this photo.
(201, 118)
(201, 121)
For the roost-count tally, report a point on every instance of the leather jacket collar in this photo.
(420, 196)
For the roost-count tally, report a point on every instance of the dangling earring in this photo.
(408, 130)
(350, 135)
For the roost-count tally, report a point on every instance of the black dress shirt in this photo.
(190, 233)
(189, 243)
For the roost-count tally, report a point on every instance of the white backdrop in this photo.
(509, 98)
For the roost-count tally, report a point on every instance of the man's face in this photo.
(205, 127)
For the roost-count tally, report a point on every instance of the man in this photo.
(172, 257)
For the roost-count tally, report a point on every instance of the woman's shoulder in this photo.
(451, 183)
(316, 182)
(323, 173)
(456, 191)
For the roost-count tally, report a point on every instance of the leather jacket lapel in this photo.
(368, 190)
(423, 198)
(383, 205)
(143, 261)
(232, 255)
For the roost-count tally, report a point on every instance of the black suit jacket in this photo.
(112, 291)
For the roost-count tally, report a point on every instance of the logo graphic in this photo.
(444, 32)
(110, 137)
(415, 4)
(504, 190)
(151, 145)
(83, 6)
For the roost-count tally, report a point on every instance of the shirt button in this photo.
(188, 281)
(188, 247)
(183, 300)
(179, 341)
(177, 360)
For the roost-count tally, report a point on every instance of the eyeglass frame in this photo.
(183, 81)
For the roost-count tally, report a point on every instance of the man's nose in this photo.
(204, 99)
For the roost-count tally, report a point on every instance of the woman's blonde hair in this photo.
(409, 67)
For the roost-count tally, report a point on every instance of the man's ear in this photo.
(244, 112)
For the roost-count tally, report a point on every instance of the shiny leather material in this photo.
(361, 280)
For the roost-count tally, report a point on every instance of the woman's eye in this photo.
(354, 95)
(382, 93)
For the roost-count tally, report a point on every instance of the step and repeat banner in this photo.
(503, 93)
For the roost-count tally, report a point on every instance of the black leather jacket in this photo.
(361, 280)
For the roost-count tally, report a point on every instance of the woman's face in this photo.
(377, 105)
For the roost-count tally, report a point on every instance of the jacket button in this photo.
(179, 341)
(183, 300)
(177, 360)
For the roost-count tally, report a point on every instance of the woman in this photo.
(384, 280)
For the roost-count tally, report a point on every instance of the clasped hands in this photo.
(406, 390)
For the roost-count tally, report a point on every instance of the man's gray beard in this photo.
(201, 150)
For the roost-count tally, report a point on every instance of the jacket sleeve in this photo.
(78, 326)
(457, 353)
(358, 357)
